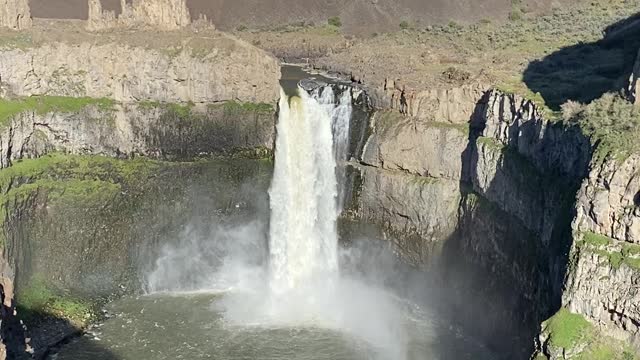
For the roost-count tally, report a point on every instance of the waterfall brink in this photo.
(306, 192)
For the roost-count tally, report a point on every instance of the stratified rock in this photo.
(159, 14)
(485, 182)
(603, 283)
(15, 14)
(609, 200)
(153, 130)
(228, 69)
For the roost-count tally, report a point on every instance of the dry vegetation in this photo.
(420, 56)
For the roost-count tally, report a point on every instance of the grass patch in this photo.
(181, 110)
(16, 40)
(232, 107)
(334, 21)
(47, 104)
(567, 329)
(57, 165)
(491, 143)
(92, 181)
(606, 247)
(573, 332)
(38, 299)
(596, 239)
(423, 180)
(463, 128)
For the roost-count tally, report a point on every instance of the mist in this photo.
(290, 271)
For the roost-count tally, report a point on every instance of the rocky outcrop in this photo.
(512, 198)
(446, 105)
(603, 283)
(15, 14)
(609, 200)
(503, 150)
(410, 206)
(227, 69)
(157, 131)
(158, 14)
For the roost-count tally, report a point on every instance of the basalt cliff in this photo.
(104, 138)
(524, 198)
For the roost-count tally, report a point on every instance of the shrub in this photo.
(241, 28)
(404, 25)
(613, 125)
(335, 21)
(570, 109)
(515, 15)
(454, 25)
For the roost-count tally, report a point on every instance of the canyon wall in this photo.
(98, 148)
(62, 191)
(227, 69)
(164, 132)
(15, 14)
(478, 180)
(512, 208)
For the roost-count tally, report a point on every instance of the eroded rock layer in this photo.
(228, 70)
(15, 14)
(159, 14)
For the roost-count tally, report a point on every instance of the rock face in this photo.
(603, 285)
(128, 130)
(634, 85)
(475, 151)
(479, 182)
(159, 14)
(608, 200)
(15, 14)
(168, 104)
(132, 206)
(229, 70)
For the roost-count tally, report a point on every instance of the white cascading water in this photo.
(313, 132)
(303, 285)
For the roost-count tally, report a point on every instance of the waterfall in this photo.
(306, 192)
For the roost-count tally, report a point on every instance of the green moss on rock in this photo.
(616, 252)
(596, 239)
(571, 334)
(39, 299)
(47, 104)
(567, 329)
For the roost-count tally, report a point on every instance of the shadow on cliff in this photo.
(44, 336)
(585, 71)
(510, 255)
(510, 250)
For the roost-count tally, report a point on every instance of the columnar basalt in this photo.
(227, 70)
